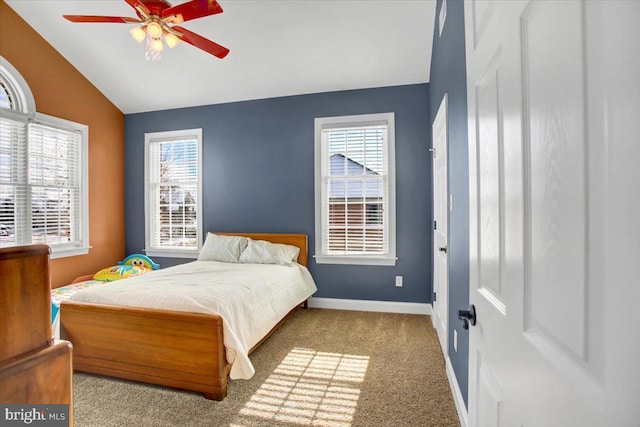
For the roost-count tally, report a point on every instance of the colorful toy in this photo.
(138, 260)
(133, 265)
(118, 272)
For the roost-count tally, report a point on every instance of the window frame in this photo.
(63, 250)
(169, 136)
(18, 89)
(24, 111)
(362, 120)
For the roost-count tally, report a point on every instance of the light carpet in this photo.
(321, 368)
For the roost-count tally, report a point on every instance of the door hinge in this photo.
(435, 224)
(435, 296)
(433, 151)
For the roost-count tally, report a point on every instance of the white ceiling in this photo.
(278, 48)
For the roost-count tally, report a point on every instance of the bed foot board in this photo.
(174, 349)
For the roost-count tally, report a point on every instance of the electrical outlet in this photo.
(398, 281)
(455, 340)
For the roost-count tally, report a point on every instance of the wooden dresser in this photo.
(34, 369)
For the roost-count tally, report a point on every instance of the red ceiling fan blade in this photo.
(194, 9)
(137, 3)
(200, 42)
(110, 19)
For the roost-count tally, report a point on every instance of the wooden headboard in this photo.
(299, 240)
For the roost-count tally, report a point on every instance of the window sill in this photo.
(172, 253)
(356, 260)
(67, 252)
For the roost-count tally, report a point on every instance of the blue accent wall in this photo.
(258, 176)
(448, 75)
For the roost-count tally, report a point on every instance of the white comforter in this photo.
(250, 298)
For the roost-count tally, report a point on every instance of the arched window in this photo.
(6, 100)
(43, 173)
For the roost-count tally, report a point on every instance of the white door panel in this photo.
(555, 174)
(440, 316)
(552, 88)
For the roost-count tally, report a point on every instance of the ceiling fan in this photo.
(158, 19)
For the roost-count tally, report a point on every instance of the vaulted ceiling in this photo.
(278, 48)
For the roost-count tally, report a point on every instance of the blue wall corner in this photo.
(448, 75)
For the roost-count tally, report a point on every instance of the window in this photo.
(355, 189)
(6, 100)
(173, 208)
(43, 173)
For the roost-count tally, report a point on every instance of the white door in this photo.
(554, 161)
(441, 228)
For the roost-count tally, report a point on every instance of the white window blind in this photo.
(173, 193)
(14, 220)
(355, 220)
(42, 197)
(54, 184)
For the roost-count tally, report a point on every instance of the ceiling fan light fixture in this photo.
(171, 39)
(154, 29)
(156, 44)
(157, 19)
(138, 33)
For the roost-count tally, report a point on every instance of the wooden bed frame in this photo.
(170, 348)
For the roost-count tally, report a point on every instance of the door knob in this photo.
(468, 316)
(443, 249)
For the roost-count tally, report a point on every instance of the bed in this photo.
(192, 347)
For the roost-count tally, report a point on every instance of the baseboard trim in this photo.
(457, 394)
(367, 305)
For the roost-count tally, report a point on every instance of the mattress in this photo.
(250, 298)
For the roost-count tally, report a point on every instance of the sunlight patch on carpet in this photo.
(311, 388)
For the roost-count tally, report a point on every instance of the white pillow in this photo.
(222, 248)
(263, 252)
